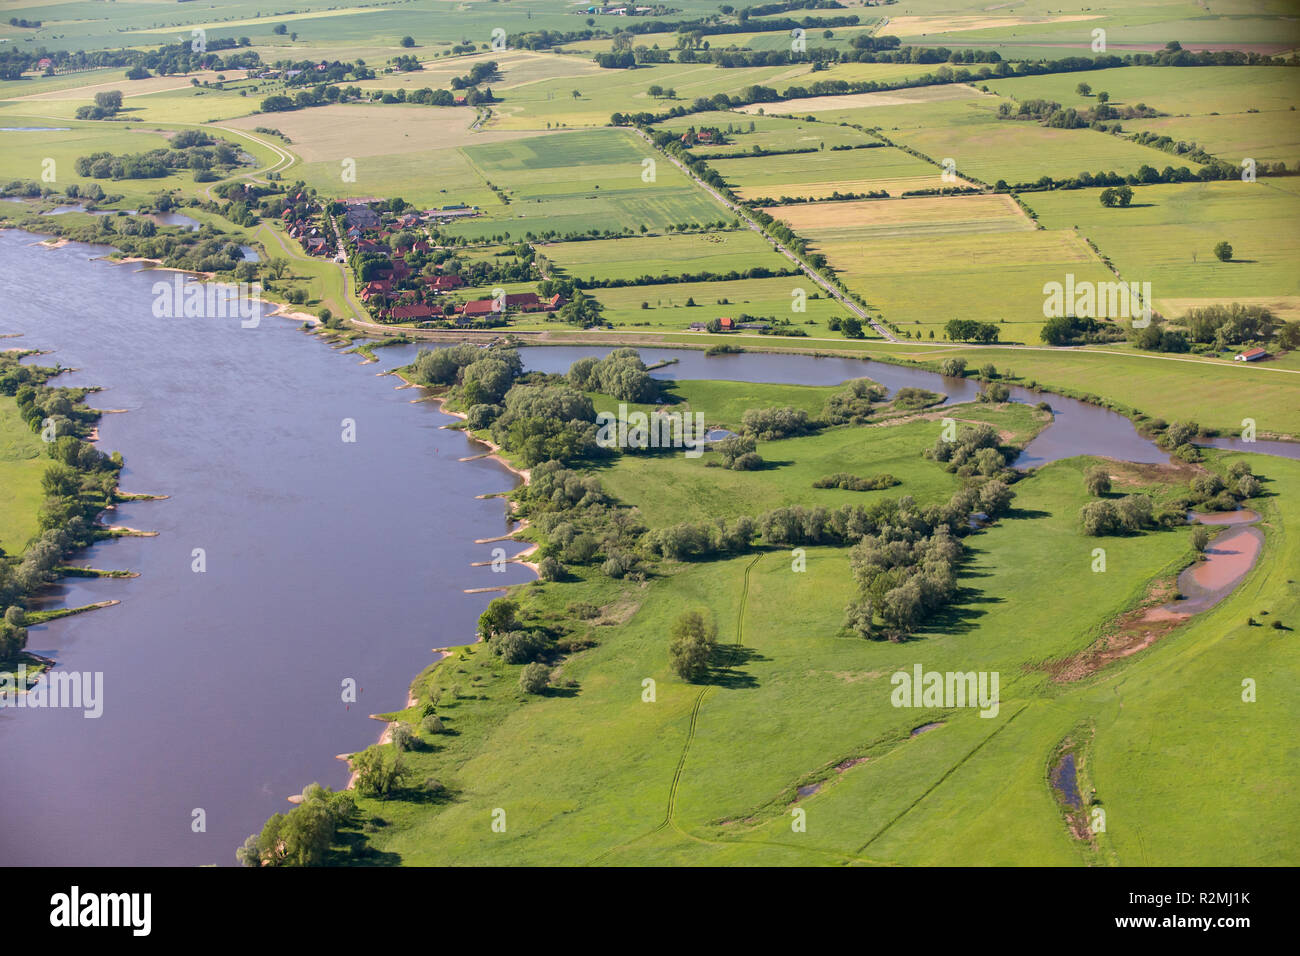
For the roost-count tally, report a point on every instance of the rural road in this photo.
(789, 254)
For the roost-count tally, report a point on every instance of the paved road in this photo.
(743, 213)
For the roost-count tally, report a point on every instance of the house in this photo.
(727, 325)
(408, 313)
(44, 63)
(369, 245)
(698, 326)
(362, 216)
(1251, 355)
(443, 283)
(479, 307)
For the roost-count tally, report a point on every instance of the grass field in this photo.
(757, 297)
(672, 488)
(873, 219)
(1167, 237)
(22, 462)
(580, 181)
(948, 796)
(717, 252)
(816, 175)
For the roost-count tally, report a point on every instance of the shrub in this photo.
(432, 724)
(535, 678)
(690, 647)
(1097, 480)
(550, 569)
(403, 737)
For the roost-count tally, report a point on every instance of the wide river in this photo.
(325, 559)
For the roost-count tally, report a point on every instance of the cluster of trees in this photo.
(968, 330)
(621, 375)
(1111, 197)
(850, 482)
(756, 272)
(108, 103)
(738, 453)
(189, 149)
(304, 835)
(1234, 324)
(769, 424)
(1072, 330)
(542, 422)
(1128, 515)
(903, 577)
(853, 404)
(975, 451)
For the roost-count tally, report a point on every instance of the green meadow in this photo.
(22, 462)
(766, 298)
(669, 488)
(582, 181)
(818, 174)
(687, 253)
(1167, 236)
(710, 773)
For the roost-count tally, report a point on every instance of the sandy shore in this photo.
(525, 475)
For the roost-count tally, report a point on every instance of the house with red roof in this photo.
(1251, 355)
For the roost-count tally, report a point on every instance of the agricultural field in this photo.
(764, 299)
(1167, 236)
(621, 186)
(818, 175)
(22, 462)
(687, 254)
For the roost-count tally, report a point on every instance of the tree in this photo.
(1200, 538)
(1097, 480)
(377, 776)
(1124, 194)
(1108, 198)
(577, 94)
(690, 646)
(408, 41)
(534, 678)
(1083, 89)
(110, 101)
(852, 328)
(1103, 97)
(1248, 486)
(1099, 518)
(953, 367)
(1224, 251)
(550, 569)
(498, 618)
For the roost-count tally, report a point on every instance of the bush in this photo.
(690, 647)
(432, 724)
(403, 737)
(1097, 480)
(518, 647)
(1200, 538)
(550, 569)
(535, 678)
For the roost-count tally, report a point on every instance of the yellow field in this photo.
(1284, 306)
(921, 26)
(326, 133)
(895, 187)
(846, 101)
(888, 218)
(129, 88)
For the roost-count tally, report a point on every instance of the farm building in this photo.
(727, 325)
(1251, 355)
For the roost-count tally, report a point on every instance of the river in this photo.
(325, 560)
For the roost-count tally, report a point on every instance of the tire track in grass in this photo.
(690, 733)
(934, 786)
(699, 702)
